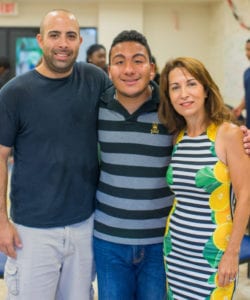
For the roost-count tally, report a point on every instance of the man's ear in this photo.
(152, 71)
(81, 40)
(39, 39)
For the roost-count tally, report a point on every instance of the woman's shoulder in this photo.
(229, 138)
(229, 130)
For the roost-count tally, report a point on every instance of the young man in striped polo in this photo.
(133, 199)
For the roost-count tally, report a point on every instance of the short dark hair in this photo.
(4, 62)
(131, 36)
(248, 41)
(93, 48)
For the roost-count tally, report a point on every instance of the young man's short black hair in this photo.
(131, 36)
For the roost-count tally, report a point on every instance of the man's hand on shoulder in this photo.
(246, 138)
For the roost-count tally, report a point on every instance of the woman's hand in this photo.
(228, 269)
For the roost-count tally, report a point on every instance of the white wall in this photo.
(177, 30)
(208, 32)
(115, 17)
(235, 61)
(31, 15)
(214, 44)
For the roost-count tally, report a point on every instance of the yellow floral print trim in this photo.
(221, 172)
(179, 137)
(221, 293)
(223, 216)
(170, 214)
(212, 131)
(221, 235)
(218, 199)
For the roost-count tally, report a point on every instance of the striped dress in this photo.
(200, 222)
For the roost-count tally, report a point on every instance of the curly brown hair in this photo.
(216, 110)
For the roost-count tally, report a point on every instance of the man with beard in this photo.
(49, 116)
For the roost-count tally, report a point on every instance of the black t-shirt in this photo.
(51, 123)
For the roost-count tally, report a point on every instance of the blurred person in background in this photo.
(5, 75)
(96, 54)
(245, 102)
(157, 73)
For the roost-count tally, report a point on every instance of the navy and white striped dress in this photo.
(200, 222)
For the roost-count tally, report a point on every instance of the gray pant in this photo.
(54, 264)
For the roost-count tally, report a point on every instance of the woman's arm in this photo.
(238, 162)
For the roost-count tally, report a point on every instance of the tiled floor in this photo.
(243, 290)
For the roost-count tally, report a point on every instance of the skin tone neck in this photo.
(133, 103)
(131, 71)
(197, 125)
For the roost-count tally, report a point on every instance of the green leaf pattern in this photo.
(205, 179)
(169, 175)
(212, 254)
